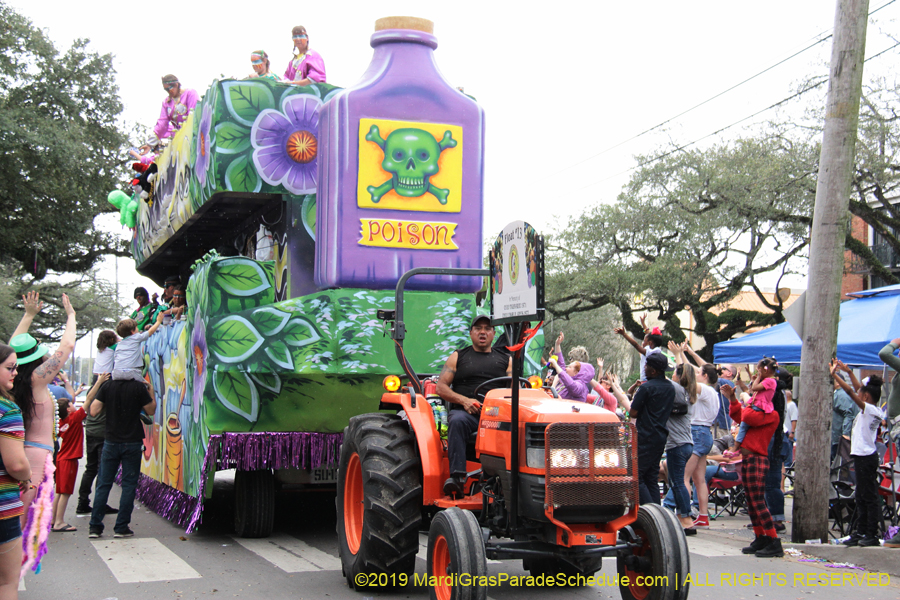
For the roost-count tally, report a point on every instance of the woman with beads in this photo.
(307, 65)
(35, 371)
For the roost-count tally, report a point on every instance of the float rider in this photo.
(463, 372)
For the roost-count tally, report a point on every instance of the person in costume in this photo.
(307, 65)
(145, 311)
(259, 60)
(175, 108)
(15, 474)
(36, 370)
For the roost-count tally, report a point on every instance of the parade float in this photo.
(292, 211)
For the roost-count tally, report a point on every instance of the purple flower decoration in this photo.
(201, 362)
(203, 150)
(285, 143)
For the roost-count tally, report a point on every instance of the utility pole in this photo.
(826, 265)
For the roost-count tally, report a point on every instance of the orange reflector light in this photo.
(535, 382)
(391, 383)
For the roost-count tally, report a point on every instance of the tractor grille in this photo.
(591, 465)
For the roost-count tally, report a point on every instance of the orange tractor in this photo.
(571, 502)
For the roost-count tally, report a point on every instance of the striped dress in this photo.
(11, 426)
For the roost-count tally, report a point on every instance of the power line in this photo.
(738, 122)
(707, 101)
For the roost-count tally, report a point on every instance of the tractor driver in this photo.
(463, 372)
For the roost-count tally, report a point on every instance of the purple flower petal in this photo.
(269, 136)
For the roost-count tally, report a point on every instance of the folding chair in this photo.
(725, 495)
(842, 496)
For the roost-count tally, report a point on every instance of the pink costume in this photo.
(306, 65)
(38, 444)
(172, 115)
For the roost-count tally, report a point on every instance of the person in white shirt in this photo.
(862, 450)
(790, 428)
(106, 350)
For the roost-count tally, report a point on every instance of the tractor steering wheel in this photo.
(523, 384)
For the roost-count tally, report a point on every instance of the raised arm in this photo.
(92, 393)
(834, 368)
(687, 348)
(47, 371)
(887, 356)
(637, 345)
(622, 399)
(33, 305)
(857, 384)
(678, 352)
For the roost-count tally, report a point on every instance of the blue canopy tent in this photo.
(868, 322)
(779, 341)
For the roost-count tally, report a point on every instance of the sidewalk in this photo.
(733, 530)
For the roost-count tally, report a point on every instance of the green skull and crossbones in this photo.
(411, 156)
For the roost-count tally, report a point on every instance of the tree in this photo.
(876, 179)
(61, 150)
(94, 299)
(690, 231)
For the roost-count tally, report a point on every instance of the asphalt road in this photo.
(301, 561)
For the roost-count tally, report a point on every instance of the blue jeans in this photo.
(676, 459)
(711, 471)
(127, 454)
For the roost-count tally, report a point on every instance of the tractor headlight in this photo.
(569, 458)
(605, 458)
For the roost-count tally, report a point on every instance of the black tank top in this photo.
(474, 368)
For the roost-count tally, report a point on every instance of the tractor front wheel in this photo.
(379, 500)
(457, 565)
(653, 568)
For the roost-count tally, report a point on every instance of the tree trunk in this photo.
(826, 263)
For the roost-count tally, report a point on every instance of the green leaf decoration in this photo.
(308, 214)
(269, 381)
(237, 393)
(241, 277)
(241, 176)
(231, 138)
(533, 352)
(300, 332)
(269, 320)
(233, 339)
(246, 99)
(280, 354)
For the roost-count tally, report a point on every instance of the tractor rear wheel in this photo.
(457, 565)
(379, 500)
(652, 569)
(254, 503)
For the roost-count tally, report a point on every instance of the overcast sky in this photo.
(563, 84)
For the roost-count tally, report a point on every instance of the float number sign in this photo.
(517, 275)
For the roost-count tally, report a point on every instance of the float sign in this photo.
(517, 275)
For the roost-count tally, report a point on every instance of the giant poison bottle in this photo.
(401, 165)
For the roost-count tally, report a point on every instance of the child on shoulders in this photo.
(128, 362)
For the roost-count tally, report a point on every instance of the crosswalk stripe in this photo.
(290, 554)
(141, 560)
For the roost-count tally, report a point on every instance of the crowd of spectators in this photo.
(697, 421)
